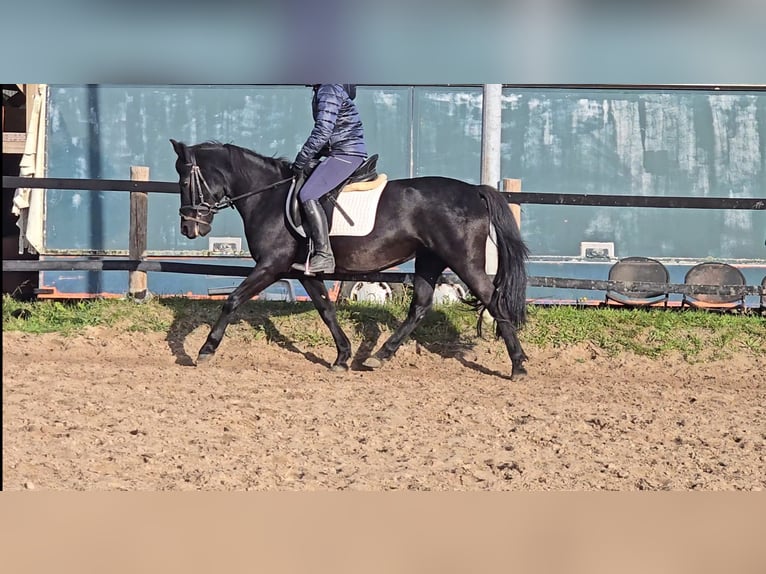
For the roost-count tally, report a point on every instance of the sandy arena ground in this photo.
(111, 410)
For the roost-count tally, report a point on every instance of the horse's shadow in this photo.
(188, 316)
(449, 344)
(368, 325)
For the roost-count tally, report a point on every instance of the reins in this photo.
(203, 208)
(229, 201)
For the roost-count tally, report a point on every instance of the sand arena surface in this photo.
(124, 411)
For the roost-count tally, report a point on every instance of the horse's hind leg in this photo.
(480, 284)
(326, 308)
(428, 268)
(512, 344)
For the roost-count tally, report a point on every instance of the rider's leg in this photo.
(327, 176)
(323, 260)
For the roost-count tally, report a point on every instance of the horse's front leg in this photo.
(260, 278)
(326, 308)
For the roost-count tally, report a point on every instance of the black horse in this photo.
(439, 221)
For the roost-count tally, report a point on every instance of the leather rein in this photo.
(202, 208)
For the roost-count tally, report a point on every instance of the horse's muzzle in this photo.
(194, 229)
(195, 221)
(190, 229)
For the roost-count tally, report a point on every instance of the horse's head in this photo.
(199, 193)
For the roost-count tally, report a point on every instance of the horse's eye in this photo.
(185, 182)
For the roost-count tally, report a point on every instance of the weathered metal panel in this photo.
(388, 116)
(100, 131)
(447, 132)
(704, 143)
(629, 142)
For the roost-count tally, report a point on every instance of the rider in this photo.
(338, 136)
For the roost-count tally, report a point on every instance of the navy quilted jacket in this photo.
(337, 126)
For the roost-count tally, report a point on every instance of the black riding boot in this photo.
(315, 218)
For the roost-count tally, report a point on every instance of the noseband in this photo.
(202, 208)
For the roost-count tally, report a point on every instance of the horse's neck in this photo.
(263, 216)
(258, 195)
(257, 173)
(251, 180)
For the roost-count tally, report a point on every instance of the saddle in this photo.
(365, 177)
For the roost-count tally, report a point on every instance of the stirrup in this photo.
(301, 266)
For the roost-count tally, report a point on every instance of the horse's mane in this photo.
(238, 154)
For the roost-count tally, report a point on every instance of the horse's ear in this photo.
(178, 147)
(182, 150)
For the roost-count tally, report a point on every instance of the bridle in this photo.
(202, 208)
(198, 206)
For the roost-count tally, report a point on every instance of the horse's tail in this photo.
(510, 296)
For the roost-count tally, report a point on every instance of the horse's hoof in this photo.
(203, 358)
(339, 368)
(518, 373)
(372, 363)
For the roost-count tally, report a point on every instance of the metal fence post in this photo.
(491, 127)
